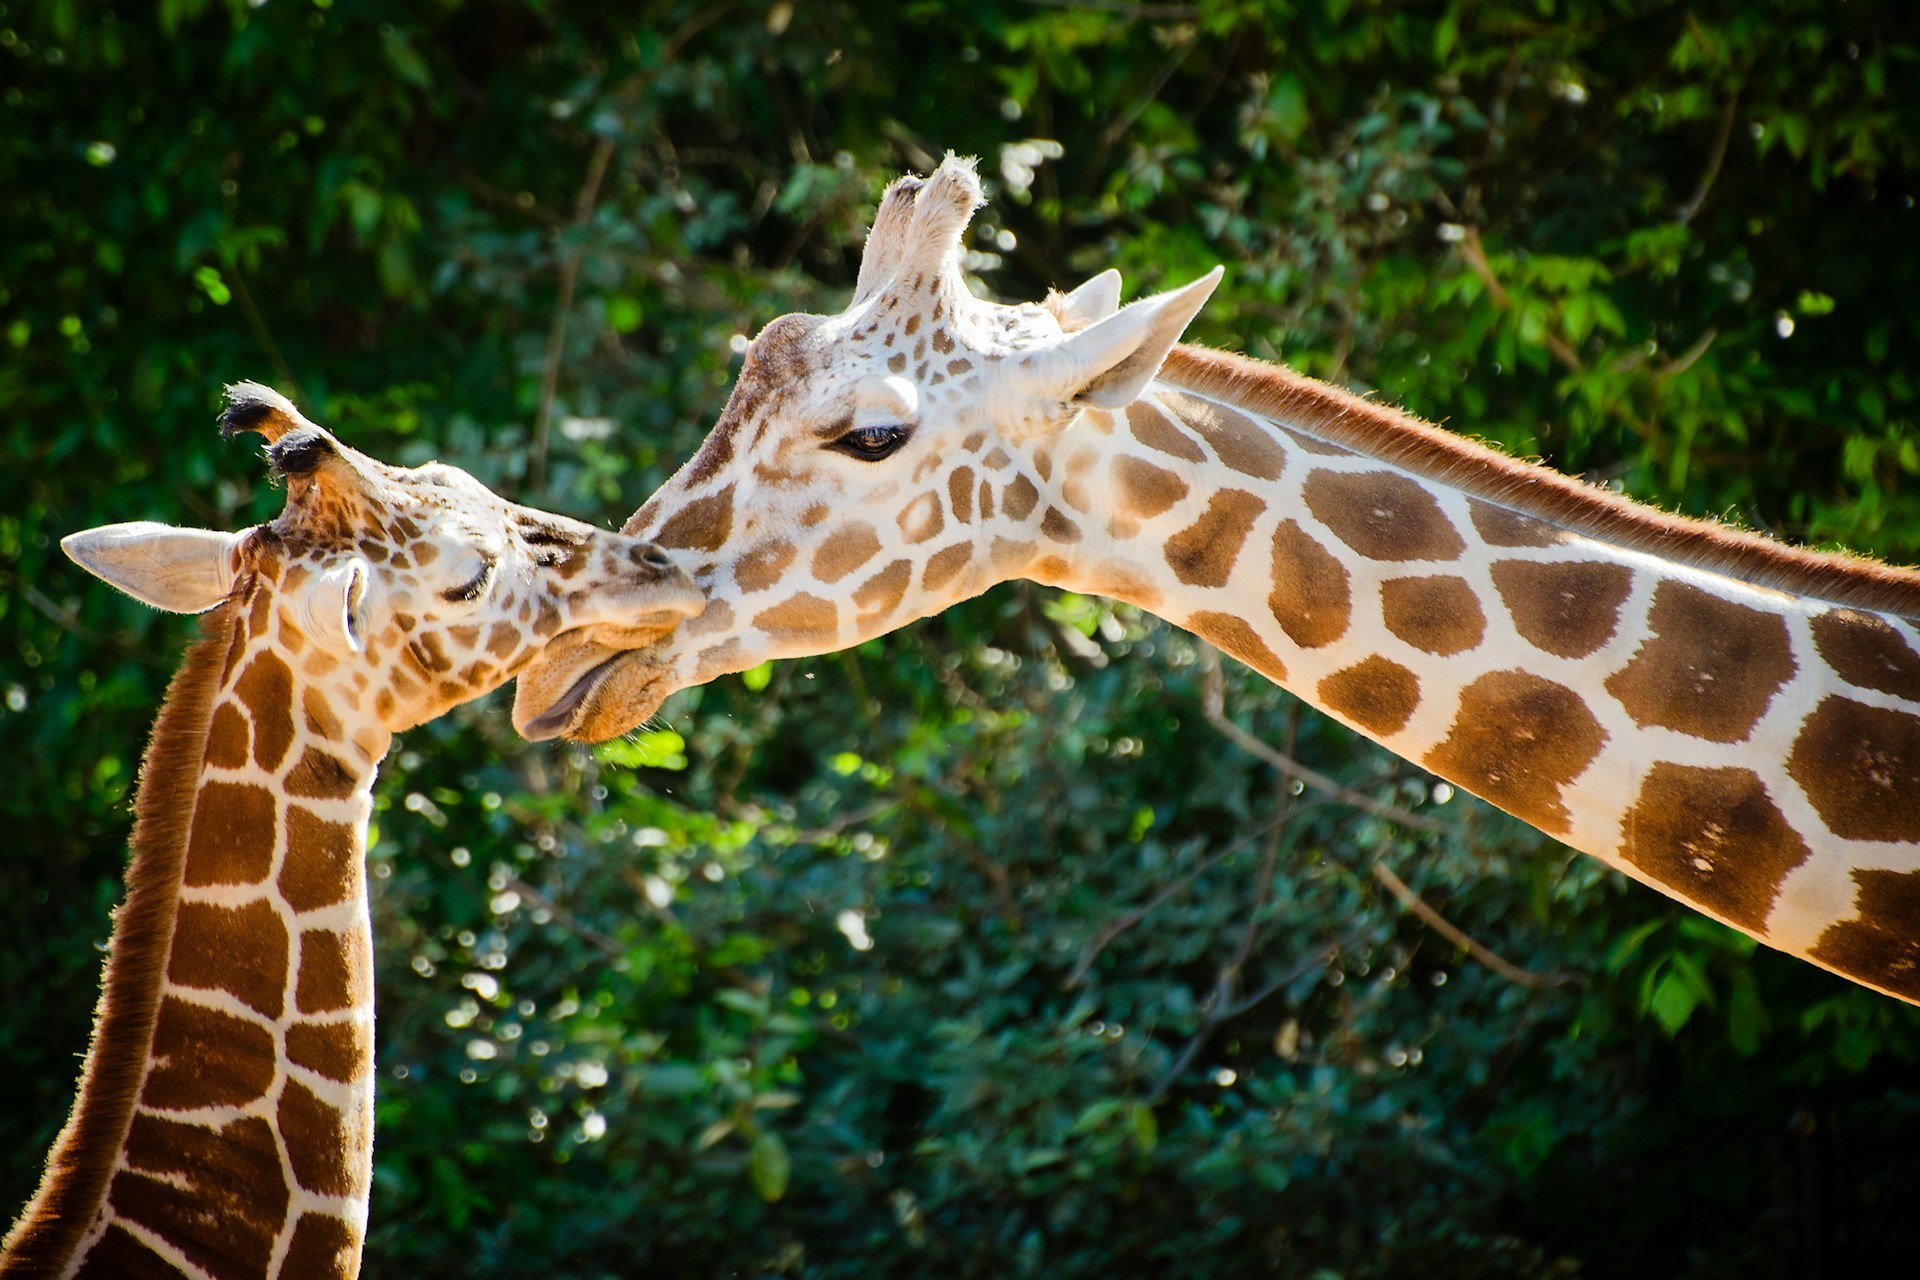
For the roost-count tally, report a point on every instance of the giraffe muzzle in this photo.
(558, 696)
(557, 719)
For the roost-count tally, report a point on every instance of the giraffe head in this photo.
(875, 466)
(401, 591)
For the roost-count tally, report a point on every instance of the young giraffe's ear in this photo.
(1109, 364)
(179, 570)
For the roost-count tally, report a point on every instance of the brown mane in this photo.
(75, 1183)
(1404, 441)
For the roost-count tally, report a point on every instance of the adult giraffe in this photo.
(1733, 721)
(224, 1125)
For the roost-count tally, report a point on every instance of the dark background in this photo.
(1130, 1005)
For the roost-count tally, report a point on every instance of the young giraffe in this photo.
(1730, 720)
(224, 1124)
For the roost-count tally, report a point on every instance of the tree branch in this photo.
(557, 334)
(564, 918)
(1165, 894)
(1715, 159)
(1475, 256)
(1213, 702)
(1458, 937)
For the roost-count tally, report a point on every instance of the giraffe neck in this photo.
(1710, 726)
(224, 1122)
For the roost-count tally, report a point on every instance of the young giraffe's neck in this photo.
(224, 1124)
(1709, 725)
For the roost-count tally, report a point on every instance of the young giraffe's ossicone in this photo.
(224, 1123)
(1731, 720)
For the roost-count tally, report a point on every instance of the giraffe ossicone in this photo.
(1731, 720)
(224, 1121)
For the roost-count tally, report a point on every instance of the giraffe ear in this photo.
(1109, 364)
(1092, 302)
(179, 570)
(332, 608)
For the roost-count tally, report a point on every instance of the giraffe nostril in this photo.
(655, 558)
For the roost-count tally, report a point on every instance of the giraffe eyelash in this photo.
(550, 546)
(872, 443)
(471, 591)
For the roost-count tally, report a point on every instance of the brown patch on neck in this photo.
(1710, 668)
(1541, 493)
(1517, 740)
(1860, 767)
(1377, 693)
(75, 1184)
(1569, 608)
(1382, 515)
(1439, 615)
(702, 525)
(1877, 946)
(1868, 652)
(1233, 636)
(1715, 837)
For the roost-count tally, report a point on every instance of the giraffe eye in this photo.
(471, 590)
(870, 444)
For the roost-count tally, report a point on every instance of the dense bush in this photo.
(980, 950)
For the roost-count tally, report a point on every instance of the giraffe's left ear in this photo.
(1108, 364)
(179, 570)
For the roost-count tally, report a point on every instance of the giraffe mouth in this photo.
(559, 719)
(567, 691)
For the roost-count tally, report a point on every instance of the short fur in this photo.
(52, 1224)
(1402, 440)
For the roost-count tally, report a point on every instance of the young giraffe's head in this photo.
(875, 466)
(401, 592)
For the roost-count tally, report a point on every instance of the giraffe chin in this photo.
(589, 693)
(629, 691)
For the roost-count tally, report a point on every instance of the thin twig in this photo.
(851, 818)
(66, 617)
(1213, 701)
(1250, 936)
(564, 918)
(1218, 1012)
(1715, 159)
(255, 322)
(910, 795)
(522, 203)
(1475, 256)
(1117, 927)
(1118, 129)
(1452, 933)
(563, 303)
(1686, 359)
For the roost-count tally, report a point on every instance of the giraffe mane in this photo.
(1402, 440)
(75, 1182)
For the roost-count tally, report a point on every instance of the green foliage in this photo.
(977, 951)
